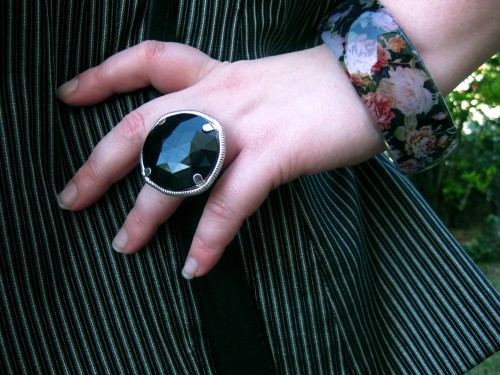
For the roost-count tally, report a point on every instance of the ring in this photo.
(183, 153)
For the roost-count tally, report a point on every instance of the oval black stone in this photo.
(179, 149)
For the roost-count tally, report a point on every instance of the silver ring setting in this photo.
(183, 153)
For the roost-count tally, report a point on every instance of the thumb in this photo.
(168, 67)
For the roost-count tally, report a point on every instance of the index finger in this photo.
(168, 67)
(117, 153)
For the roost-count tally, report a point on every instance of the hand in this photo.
(283, 116)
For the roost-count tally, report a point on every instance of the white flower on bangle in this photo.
(440, 116)
(418, 142)
(335, 42)
(360, 54)
(382, 20)
(405, 87)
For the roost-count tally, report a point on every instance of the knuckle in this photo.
(137, 220)
(219, 211)
(230, 76)
(231, 82)
(93, 171)
(225, 78)
(150, 51)
(132, 130)
(204, 246)
(102, 72)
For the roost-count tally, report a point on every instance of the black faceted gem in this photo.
(179, 151)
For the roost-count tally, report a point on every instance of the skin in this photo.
(263, 105)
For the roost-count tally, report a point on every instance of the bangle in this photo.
(393, 83)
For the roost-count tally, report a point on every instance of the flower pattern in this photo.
(381, 108)
(405, 87)
(383, 20)
(361, 53)
(383, 57)
(396, 44)
(393, 82)
(418, 142)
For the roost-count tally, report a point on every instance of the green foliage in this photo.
(465, 189)
(486, 246)
(475, 165)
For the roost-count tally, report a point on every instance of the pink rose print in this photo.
(380, 106)
(392, 82)
(382, 59)
(405, 87)
(361, 53)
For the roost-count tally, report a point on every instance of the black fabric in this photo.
(228, 312)
(235, 332)
(161, 23)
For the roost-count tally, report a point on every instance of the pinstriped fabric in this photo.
(350, 270)
(420, 282)
(397, 294)
(69, 305)
(235, 30)
(434, 284)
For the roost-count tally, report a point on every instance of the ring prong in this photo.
(198, 179)
(208, 128)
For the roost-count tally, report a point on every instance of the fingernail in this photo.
(190, 268)
(68, 88)
(67, 197)
(120, 240)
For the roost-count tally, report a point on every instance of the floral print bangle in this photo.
(392, 81)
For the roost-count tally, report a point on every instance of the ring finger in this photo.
(151, 209)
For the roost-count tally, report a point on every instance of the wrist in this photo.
(351, 110)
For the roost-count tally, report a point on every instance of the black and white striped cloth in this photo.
(350, 270)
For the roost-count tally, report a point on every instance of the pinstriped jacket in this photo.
(349, 270)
